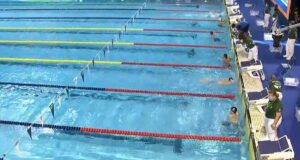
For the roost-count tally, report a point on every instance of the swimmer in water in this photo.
(226, 60)
(191, 53)
(233, 117)
(213, 36)
(225, 81)
(221, 22)
(213, 15)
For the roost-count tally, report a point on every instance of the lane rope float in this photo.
(106, 9)
(38, 42)
(123, 90)
(123, 132)
(34, 60)
(110, 18)
(103, 29)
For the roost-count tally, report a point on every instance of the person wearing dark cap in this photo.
(213, 36)
(290, 44)
(226, 60)
(233, 117)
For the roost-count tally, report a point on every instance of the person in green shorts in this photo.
(290, 44)
(273, 115)
(274, 84)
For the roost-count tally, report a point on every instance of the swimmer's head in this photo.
(211, 32)
(233, 110)
(230, 79)
(225, 56)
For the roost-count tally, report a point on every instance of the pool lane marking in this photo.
(62, 42)
(38, 42)
(123, 90)
(107, 9)
(111, 18)
(70, 28)
(105, 29)
(191, 3)
(33, 60)
(122, 132)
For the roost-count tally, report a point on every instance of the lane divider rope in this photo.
(104, 29)
(105, 9)
(123, 132)
(110, 18)
(122, 90)
(33, 60)
(38, 42)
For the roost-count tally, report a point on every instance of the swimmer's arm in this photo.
(205, 80)
(223, 82)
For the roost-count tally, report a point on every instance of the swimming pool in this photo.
(32, 32)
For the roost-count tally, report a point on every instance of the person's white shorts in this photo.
(253, 53)
(266, 20)
(272, 134)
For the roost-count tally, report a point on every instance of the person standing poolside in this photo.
(290, 44)
(275, 18)
(267, 16)
(253, 51)
(273, 115)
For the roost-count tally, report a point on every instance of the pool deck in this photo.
(250, 85)
(290, 126)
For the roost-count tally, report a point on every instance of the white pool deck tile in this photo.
(257, 117)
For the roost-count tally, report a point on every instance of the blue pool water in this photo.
(122, 111)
